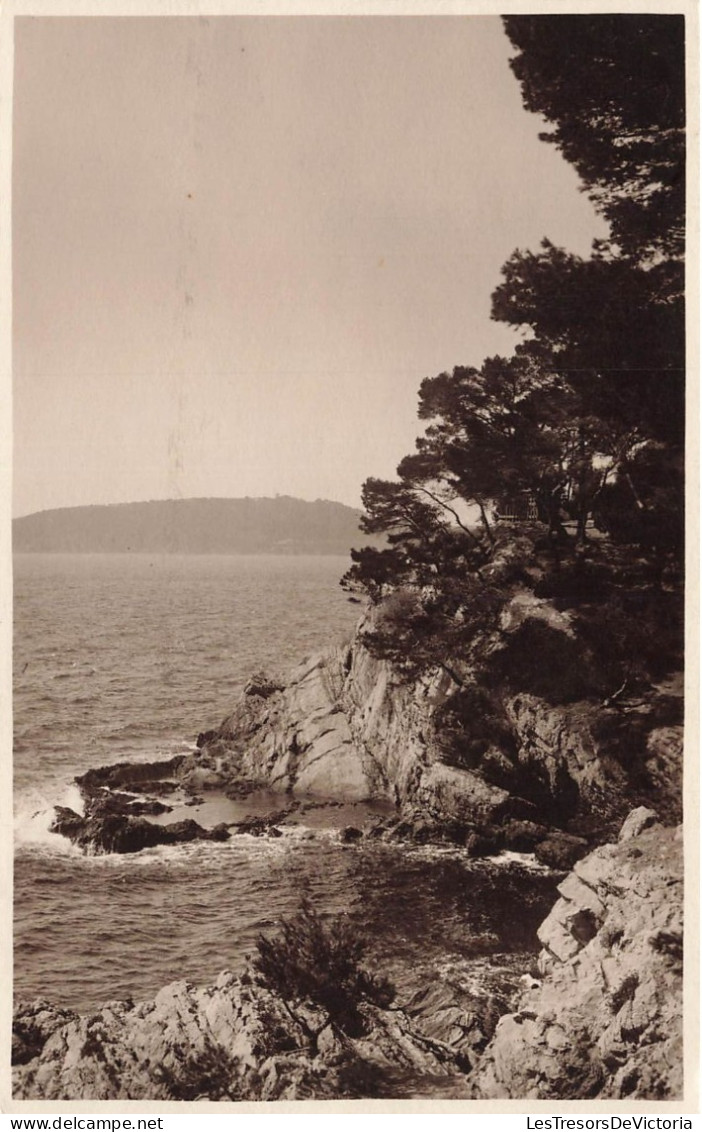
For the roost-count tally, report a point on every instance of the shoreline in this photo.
(620, 907)
(343, 725)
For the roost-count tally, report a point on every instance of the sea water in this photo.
(128, 657)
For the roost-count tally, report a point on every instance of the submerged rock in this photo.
(258, 826)
(350, 834)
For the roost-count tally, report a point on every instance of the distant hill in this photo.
(194, 526)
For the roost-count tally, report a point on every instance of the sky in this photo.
(240, 243)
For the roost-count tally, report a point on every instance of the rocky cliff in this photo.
(345, 725)
(602, 1017)
(506, 769)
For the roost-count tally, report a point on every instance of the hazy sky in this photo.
(240, 243)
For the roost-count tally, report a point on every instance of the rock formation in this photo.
(231, 1041)
(345, 725)
(558, 779)
(116, 800)
(604, 1018)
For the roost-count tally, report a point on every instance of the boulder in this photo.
(234, 1040)
(637, 821)
(350, 834)
(560, 850)
(449, 792)
(605, 1021)
(262, 685)
(260, 826)
(119, 833)
(522, 836)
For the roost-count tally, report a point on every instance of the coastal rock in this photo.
(606, 1020)
(459, 794)
(116, 801)
(234, 1040)
(637, 821)
(350, 834)
(557, 747)
(119, 833)
(664, 769)
(295, 739)
(138, 778)
(262, 685)
(205, 737)
(560, 850)
(33, 1026)
(344, 727)
(462, 1009)
(347, 726)
(523, 836)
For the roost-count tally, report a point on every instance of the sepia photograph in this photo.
(348, 556)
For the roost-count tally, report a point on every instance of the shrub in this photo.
(544, 662)
(468, 723)
(210, 1073)
(309, 962)
(636, 636)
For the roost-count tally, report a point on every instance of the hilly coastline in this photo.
(504, 729)
(282, 525)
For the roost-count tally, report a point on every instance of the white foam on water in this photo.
(34, 814)
(526, 860)
(245, 846)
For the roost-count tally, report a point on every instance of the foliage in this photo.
(210, 1073)
(612, 86)
(468, 723)
(495, 431)
(644, 507)
(420, 631)
(583, 424)
(613, 332)
(546, 662)
(635, 637)
(309, 962)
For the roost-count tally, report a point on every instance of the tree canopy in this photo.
(585, 421)
(612, 86)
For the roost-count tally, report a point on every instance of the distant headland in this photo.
(281, 525)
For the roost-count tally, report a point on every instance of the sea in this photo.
(127, 658)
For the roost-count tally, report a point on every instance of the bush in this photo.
(544, 662)
(637, 636)
(468, 723)
(207, 1073)
(309, 962)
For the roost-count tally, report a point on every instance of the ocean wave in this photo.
(34, 813)
(32, 833)
(526, 860)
